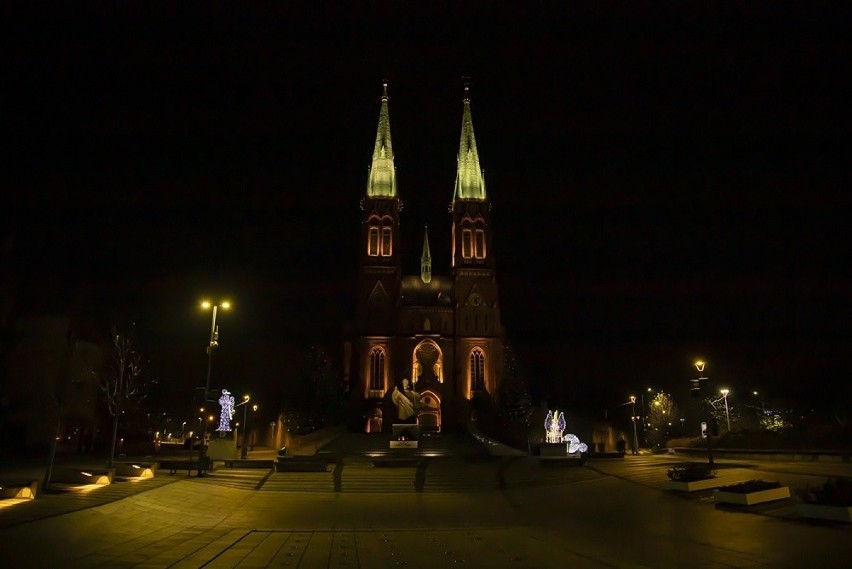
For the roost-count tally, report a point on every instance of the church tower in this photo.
(479, 345)
(435, 337)
(379, 264)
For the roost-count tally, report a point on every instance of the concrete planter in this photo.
(18, 490)
(751, 498)
(133, 470)
(553, 449)
(75, 476)
(824, 512)
(694, 485)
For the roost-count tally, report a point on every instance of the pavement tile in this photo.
(606, 514)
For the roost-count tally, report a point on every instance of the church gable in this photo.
(379, 295)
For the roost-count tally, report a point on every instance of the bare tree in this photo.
(123, 383)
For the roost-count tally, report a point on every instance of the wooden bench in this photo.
(189, 465)
(396, 461)
(558, 461)
(239, 463)
(301, 464)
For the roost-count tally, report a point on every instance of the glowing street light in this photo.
(724, 393)
(243, 449)
(699, 365)
(211, 346)
(214, 337)
(633, 418)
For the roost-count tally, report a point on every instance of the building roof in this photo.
(470, 180)
(437, 292)
(381, 182)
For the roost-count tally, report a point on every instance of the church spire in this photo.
(426, 258)
(382, 178)
(470, 180)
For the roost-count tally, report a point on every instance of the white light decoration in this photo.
(554, 425)
(227, 412)
(574, 444)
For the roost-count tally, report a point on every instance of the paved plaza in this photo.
(448, 511)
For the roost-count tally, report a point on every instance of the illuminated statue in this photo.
(574, 444)
(554, 425)
(407, 401)
(227, 412)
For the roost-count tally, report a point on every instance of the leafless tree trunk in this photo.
(123, 382)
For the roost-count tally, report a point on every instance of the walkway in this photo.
(608, 513)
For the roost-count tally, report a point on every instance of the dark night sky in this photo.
(669, 180)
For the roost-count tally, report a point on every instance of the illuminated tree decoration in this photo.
(227, 412)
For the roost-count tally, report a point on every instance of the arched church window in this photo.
(479, 240)
(467, 239)
(377, 369)
(373, 242)
(477, 370)
(387, 241)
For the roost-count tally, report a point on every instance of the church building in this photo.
(435, 337)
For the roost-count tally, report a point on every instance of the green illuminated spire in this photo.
(382, 179)
(426, 258)
(470, 180)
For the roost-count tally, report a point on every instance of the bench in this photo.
(561, 461)
(301, 464)
(396, 461)
(239, 463)
(189, 465)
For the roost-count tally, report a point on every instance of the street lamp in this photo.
(633, 418)
(243, 449)
(214, 338)
(699, 365)
(211, 346)
(724, 393)
(643, 414)
(254, 409)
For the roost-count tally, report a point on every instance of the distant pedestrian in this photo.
(621, 445)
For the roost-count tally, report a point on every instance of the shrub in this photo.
(691, 472)
(750, 486)
(835, 492)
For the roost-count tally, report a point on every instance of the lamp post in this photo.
(724, 393)
(699, 365)
(211, 346)
(214, 338)
(644, 415)
(633, 418)
(254, 409)
(243, 449)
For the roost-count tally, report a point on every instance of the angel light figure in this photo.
(227, 412)
(554, 425)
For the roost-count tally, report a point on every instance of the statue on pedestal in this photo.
(407, 402)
